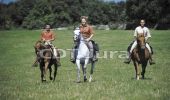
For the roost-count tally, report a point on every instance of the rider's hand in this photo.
(47, 40)
(87, 40)
(43, 39)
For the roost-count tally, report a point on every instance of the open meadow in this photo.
(112, 79)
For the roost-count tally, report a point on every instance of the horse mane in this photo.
(39, 41)
(141, 35)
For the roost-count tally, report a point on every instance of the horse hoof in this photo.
(90, 79)
(51, 78)
(85, 79)
(143, 77)
(43, 80)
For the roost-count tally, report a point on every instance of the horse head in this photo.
(38, 45)
(141, 41)
(76, 36)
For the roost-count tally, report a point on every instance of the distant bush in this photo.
(33, 24)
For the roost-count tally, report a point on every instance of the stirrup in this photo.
(127, 61)
(94, 59)
(152, 62)
(73, 61)
(35, 65)
(58, 63)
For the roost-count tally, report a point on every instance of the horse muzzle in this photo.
(143, 47)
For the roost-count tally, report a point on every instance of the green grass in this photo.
(113, 80)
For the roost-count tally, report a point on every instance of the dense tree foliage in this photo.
(155, 12)
(32, 14)
(35, 13)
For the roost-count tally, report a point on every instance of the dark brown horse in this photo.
(46, 60)
(140, 56)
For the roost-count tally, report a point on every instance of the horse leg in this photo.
(91, 72)
(55, 71)
(84, 69)
(50, 70)
(42, 71)
(137, 70)
(78, 70)
(143, 70)
(45, 69)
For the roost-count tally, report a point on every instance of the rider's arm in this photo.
(135, 34)
(90, 37)
(42, 38)
(92, 33)
(53, 37)
(148, 35)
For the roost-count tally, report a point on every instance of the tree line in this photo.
(34, 14)
(155, 12)
(58, 13)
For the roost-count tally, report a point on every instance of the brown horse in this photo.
(140, 56)
(46, 60)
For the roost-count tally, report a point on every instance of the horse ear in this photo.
(84, 17)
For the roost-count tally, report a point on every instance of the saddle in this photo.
(129, 47)
(95, 46)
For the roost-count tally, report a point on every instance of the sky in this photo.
(8, 1)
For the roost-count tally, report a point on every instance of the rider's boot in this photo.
(151, 61)
(72, 56)
(58, 62)
(95, 56)
(58, 58)
(128, 60)
(35, 64)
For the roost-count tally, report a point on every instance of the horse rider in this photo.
(87, 33)
(47, 36)
(142, 29)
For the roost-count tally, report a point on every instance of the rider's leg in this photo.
(74, 52)
(129, 52)
(55, 51)
(56, 55)
(133, 46)
(150, 51)
(78, 70)
(35, 62)
(148, 47)
(95, 51)
(90, 44)
(73, 55)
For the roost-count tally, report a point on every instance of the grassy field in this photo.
(113, 80)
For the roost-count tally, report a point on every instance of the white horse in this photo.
(83, 55)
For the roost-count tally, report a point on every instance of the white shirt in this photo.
(144, 30)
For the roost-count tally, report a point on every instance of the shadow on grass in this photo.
(142, 78)
(93, 81)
